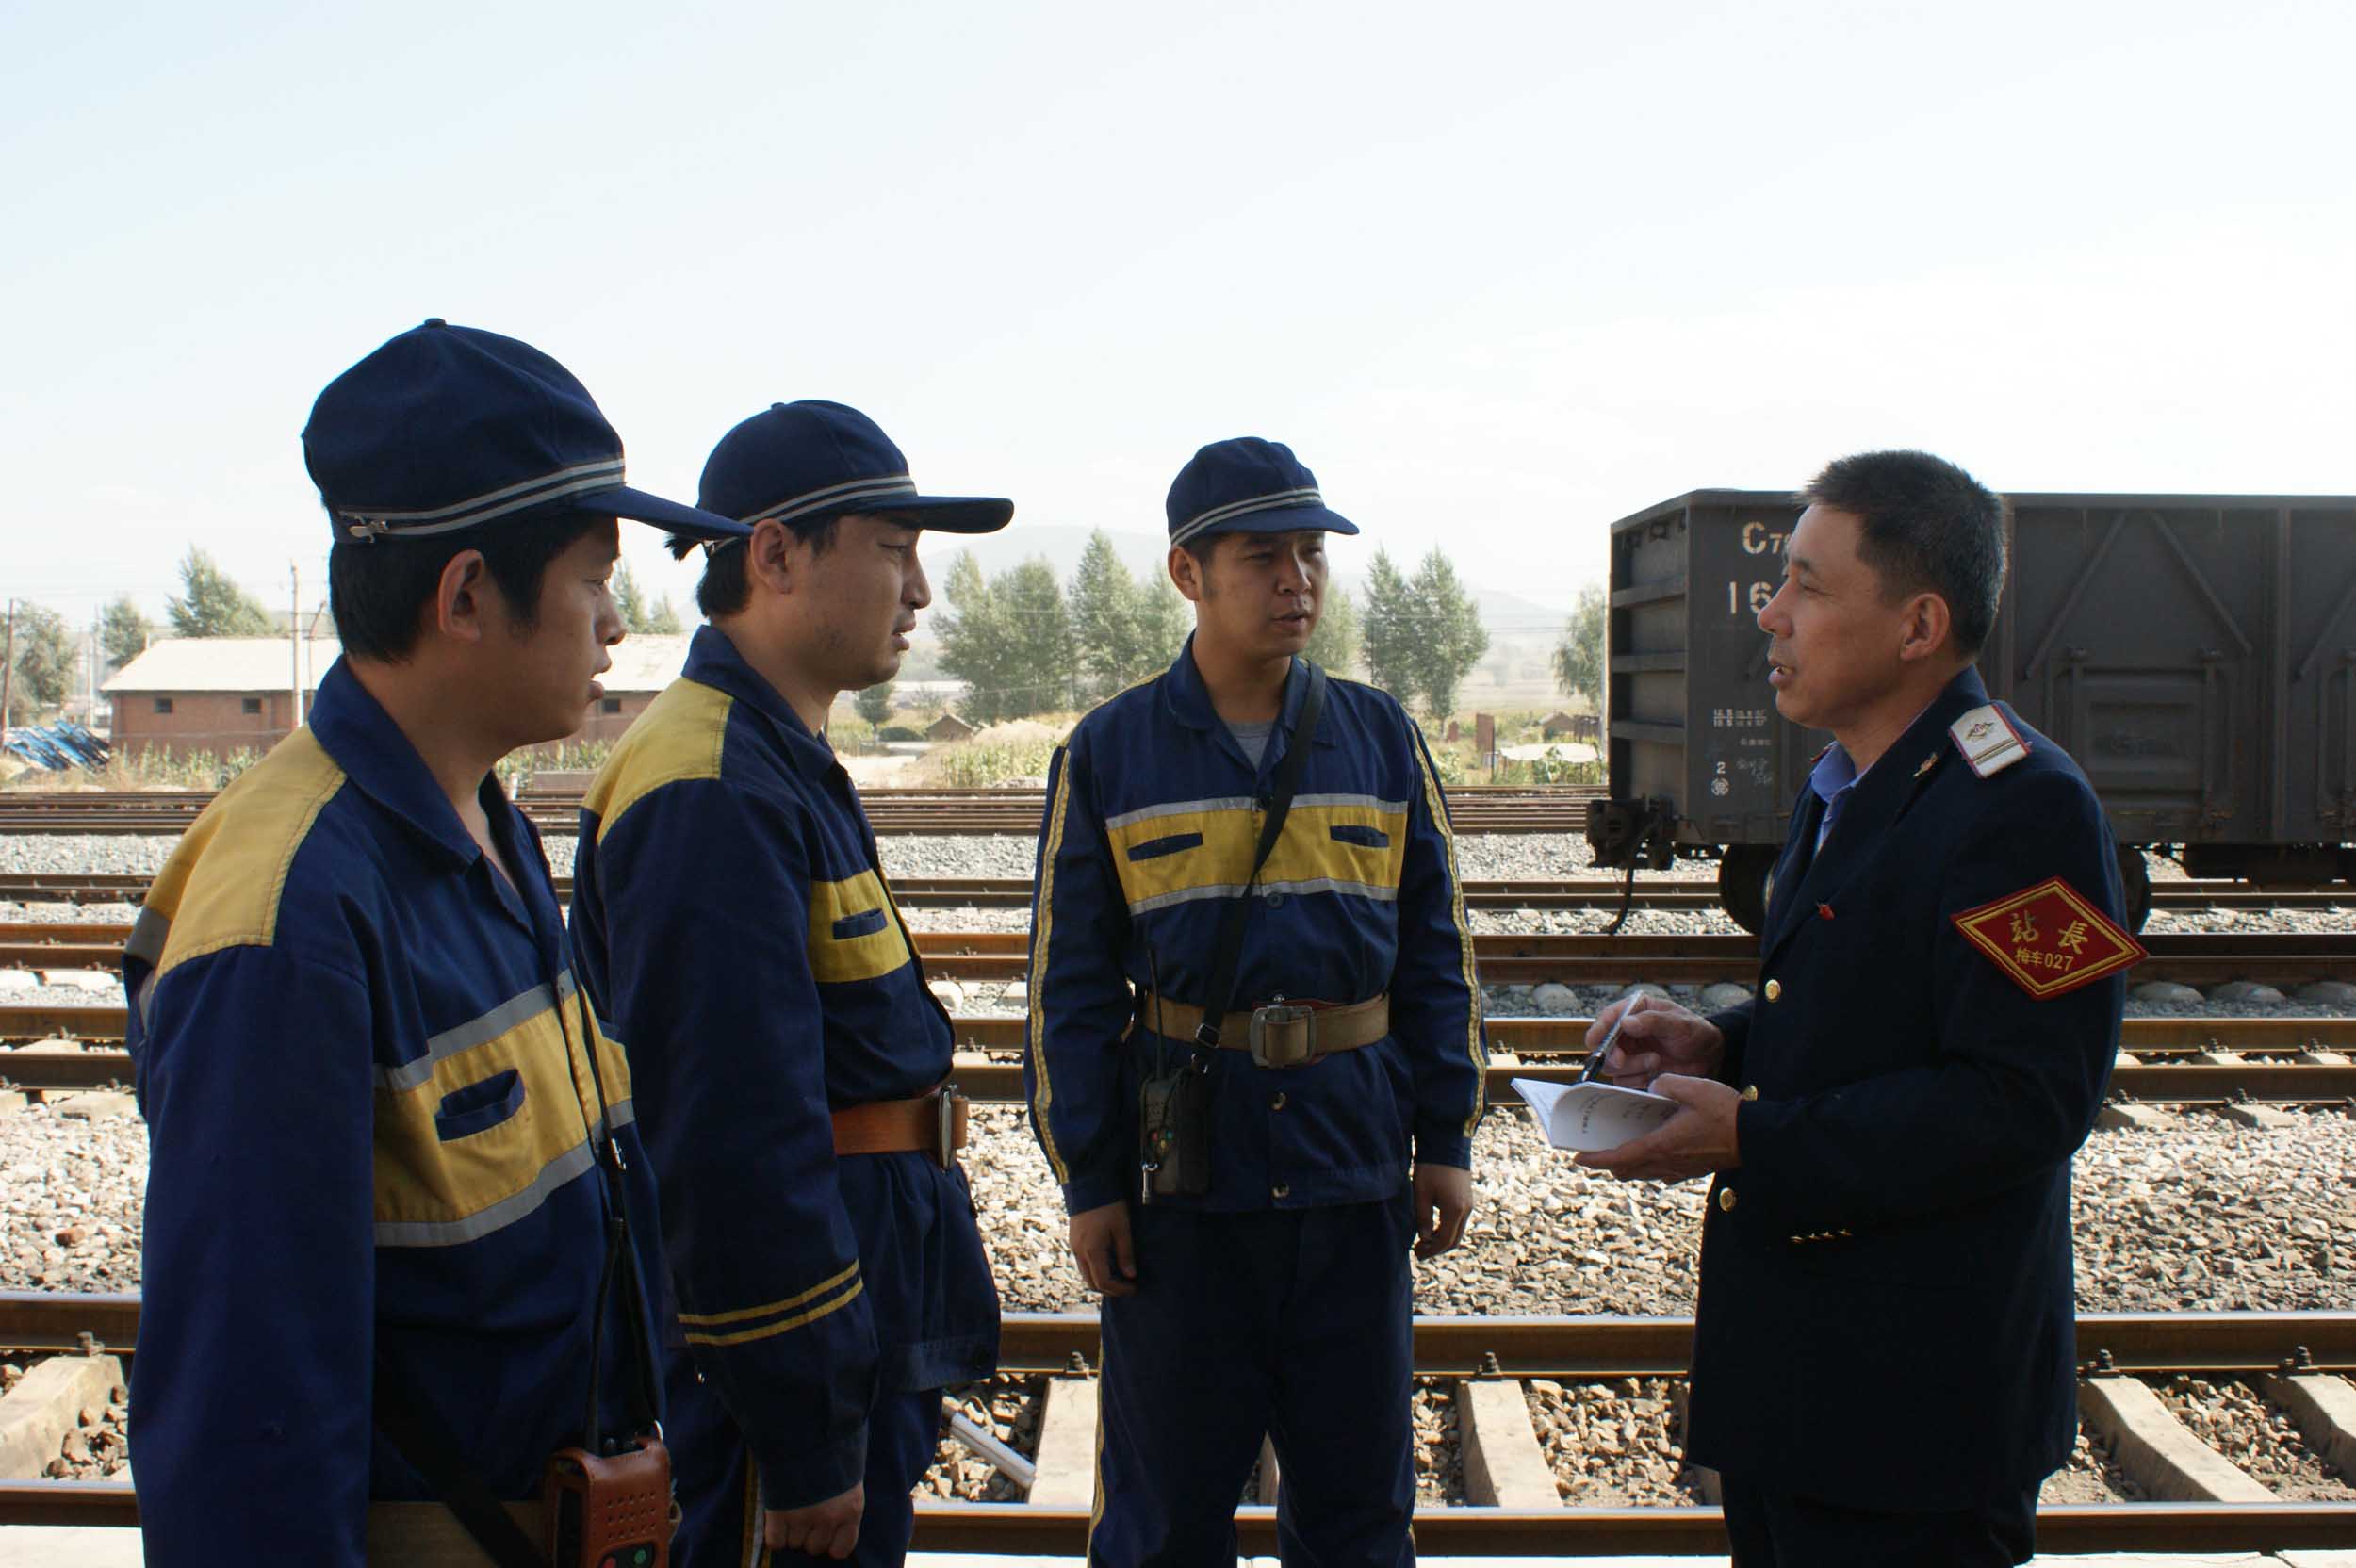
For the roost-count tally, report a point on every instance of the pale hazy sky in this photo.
(1498, 273)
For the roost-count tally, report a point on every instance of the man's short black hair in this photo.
(1927, 526)
(724, 589)
(378, 590)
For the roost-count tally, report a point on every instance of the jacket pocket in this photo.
(1175, 843)
(1356, 833)
(479, 1108)
(865, 924)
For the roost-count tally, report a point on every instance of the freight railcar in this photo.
(2196, 654)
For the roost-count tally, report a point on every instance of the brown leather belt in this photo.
(1281, 1035)
(428, 1535)
(933, 1124)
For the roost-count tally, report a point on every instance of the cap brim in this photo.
(688, 522)
(1285, 519)
(948, 513)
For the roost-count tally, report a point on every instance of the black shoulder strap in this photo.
(1229, 950)
(419, 1438)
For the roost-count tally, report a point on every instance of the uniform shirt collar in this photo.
(354, 729)
(712, 660)
(1188, 699)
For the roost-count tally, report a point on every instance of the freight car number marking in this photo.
(1758, 541)
(1760, 593)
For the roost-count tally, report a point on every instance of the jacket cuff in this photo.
(1083, 1193)
(798, 1476)
(1444, 1145)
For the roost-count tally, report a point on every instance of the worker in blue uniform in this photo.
(1334, 1096)
(732, 919)
(1883, 1358)
(391, 1155)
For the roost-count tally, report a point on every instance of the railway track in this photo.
(1474, 809)
(1472, 1352)
(2164, 1063)
(2194, 958)
(1011, 892)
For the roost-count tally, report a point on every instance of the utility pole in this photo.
(294, 639)
(7, 671)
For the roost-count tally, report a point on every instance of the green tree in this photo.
(1454, 639)
(1163, 618)
(1335, 644)
(974, 644)
(1392, 628)
(212, 605)
(42, 668)
(874, 703)
(1579, 657)
(123, 633)
(1038, 625)
(1107, 615)
(663, 620)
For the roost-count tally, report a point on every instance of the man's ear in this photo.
(776, 557)
(460, 597)
(1185, 571)
(1924, 627)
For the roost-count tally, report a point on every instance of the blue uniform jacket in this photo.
(731, 920)
(1886, 1311)
(1152, 816)
(369, 1113)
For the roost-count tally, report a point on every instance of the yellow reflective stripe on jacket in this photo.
(854, 931)
(1350, 844)
(446, 1174)
(1042, 926)
(829, 1305)
(1474, 1049)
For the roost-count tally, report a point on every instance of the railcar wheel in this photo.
(1743, 885)
(2135, 880)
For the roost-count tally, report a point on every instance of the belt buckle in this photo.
(945, 1126)
(1269, 1051)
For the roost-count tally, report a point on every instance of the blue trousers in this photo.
(1291, 1322)
(719, 1495)
(1774, 1529)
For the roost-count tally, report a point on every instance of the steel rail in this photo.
(1502, 957)
(44, 1021)
(999, 1081)
(1020, 1528)
(1009, 892)
(1526, 1346)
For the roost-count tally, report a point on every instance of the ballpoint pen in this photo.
(1596, 1058)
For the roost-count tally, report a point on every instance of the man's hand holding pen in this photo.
(1643, 1042)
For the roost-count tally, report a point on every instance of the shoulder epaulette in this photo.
(1987, 740)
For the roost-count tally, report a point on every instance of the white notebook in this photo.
(1594, 1115)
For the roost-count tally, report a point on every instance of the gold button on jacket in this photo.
(1725, 1198)
(1774, 989)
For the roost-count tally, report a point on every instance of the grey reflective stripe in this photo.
(1184, 895)
(1218, 514)
(1369, 802)
(1328, 884)
(879, 487)
(148, 935)
(1262, 890)
(604, 474)
(474, 1031)
(1177, 808)
(453, 1232)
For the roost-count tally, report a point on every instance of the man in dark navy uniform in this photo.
(1884, 1343)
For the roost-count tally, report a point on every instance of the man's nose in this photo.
(917, 592)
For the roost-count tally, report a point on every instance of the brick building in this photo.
(223, 695)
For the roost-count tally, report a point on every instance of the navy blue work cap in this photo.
(1248, 486)
(814, 458)
(446, 428)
